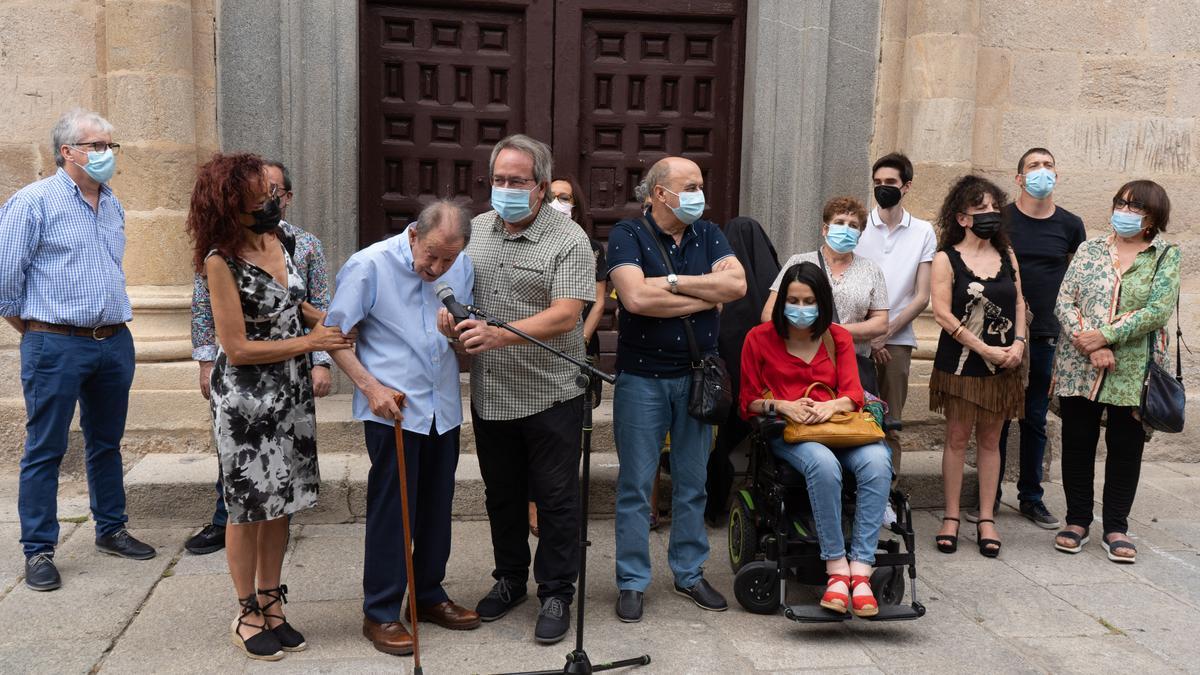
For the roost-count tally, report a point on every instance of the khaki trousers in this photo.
(893, 389)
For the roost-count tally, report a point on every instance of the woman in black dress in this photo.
(977, 375)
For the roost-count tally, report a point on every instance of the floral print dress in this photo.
(264, 416)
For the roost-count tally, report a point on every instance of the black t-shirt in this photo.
(1043, 247)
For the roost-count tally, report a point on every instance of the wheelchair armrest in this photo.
(768, 426)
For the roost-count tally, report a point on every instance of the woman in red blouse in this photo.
(780, 360)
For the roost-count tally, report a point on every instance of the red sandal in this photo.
(864, 605)
(836, 601)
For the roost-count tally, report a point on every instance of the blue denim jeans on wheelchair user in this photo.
(822, 468)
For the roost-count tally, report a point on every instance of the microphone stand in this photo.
(578, 662)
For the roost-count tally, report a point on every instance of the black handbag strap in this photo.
(828, 275)
(1178, 329)
(693, 348)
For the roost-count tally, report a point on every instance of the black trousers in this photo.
(534, 457)
(430, 461)
(720, 467)
(1125, 440)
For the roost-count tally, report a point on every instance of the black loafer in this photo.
(629, 606)
(41, 574)
(505, 595)
(209, 540)
(705, 596)
(553, 621)
(123, 545)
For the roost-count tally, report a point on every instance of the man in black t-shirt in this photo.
(1044, 237)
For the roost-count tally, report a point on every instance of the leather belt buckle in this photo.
(96, 336)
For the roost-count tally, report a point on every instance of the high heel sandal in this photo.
(863, 605)
(837, 602)
(289, 638)
(987, 547)
(264, 645)
(947, 543)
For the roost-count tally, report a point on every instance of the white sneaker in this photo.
(889, 516)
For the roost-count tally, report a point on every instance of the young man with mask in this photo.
(533, 269)
(903, 246)
(1044, 237)
(62, 287)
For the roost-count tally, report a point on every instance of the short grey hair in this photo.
(657, 175)
(543, 159)
(641, 192)
(443, 213)
(70, 129)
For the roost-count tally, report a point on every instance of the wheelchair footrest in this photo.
(899, 612)
(814, 614)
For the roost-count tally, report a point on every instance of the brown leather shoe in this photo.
(389, 638)
(449, 615)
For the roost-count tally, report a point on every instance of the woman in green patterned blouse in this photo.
(1113, 305)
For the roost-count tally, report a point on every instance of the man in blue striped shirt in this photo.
(62, 286)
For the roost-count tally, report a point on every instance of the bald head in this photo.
(666, 180)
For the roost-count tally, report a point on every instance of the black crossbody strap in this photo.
(693, 348)
(828, 275)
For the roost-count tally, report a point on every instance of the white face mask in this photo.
(562, 207)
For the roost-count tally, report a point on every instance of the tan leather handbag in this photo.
(844, 429)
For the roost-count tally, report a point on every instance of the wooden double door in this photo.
(611, 85)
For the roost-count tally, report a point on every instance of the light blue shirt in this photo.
(61, 260)
(398, 340)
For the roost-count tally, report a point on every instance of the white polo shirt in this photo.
(898, 253)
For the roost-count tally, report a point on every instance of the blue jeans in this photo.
(220, 514)
(822, 469)
(1033, 425)
(56, 371)
(644, 410)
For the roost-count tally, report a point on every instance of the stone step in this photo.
(179, 487)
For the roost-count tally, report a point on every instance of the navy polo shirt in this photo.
(649, 346)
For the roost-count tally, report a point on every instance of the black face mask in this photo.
(985, 225)
(887, 196)
(266, 218)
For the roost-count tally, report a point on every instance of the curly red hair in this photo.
(212, 220)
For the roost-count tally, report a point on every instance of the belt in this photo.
(97, 333)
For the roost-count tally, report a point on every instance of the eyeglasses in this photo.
(566, 199)
(512, 182)
(278, 191)
(1133, 205)
(98, 146)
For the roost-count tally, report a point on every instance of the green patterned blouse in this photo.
(1087, 300)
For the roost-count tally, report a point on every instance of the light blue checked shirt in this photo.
(60, 261)
(398, 340)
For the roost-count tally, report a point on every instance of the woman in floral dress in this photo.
(262, 399)
(1117, 296)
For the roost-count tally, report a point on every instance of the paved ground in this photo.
(1033, 610)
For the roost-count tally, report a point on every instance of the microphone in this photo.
(446, 295)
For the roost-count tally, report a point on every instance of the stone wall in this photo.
(1112, 88)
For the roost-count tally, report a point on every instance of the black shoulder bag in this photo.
(711, 396)
(1163, 396)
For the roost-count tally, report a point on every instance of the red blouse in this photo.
(767, 366)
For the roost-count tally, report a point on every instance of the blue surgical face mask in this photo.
(1126, 224)
(842, 238)
(101, 165)
(511, 204)
(801, 316)
(691, 206)
(1039, 184)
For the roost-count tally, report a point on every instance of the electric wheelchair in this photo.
(772, 539)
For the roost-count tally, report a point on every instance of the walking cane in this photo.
(408, 555)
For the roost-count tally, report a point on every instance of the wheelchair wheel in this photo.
(756, 587)
(743, 536)
(888, 584)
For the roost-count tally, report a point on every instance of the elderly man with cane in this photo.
(406, 379)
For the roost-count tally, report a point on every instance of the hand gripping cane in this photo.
(408, 555)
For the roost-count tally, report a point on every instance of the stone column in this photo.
(163, 109)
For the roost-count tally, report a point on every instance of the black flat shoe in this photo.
(553, 622)
(209, 540)
(40, 572)
(290, 639)
(505, 595)
(704, 595)
(989, 548)
(262, 646)
(947, 543)
(123, 545)
(629, 606)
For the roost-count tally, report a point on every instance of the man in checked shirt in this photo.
(62, 286)
(534, 268)
(309, 257)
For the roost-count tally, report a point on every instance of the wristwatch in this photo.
(673, 280)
